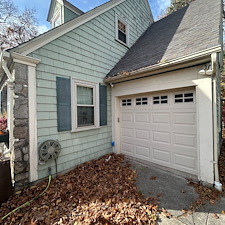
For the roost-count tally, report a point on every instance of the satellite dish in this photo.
(49, 150)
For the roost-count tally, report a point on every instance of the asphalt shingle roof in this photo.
(189, 30)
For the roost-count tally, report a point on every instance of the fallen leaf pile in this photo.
(207, 194)
(97, 192)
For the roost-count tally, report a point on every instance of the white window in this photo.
(142, 101)
(85, 106)
(184, 97)
(163, 99)
(56, 21)
(126, 102)
(122, 31)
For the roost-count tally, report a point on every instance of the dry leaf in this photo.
(153, 178)
(215, 216)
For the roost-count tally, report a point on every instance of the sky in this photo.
(42, 6)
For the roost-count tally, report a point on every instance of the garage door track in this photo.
(176, 196)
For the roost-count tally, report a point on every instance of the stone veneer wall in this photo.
(21, 127)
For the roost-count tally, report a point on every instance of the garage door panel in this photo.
(142, 151)
(127, 132)
(181, 150)
(185, 162)
(161, 137)
(160, 118)
(142, 134)
(161, 128)
(142, 117)
(127, 148)
(187, 140)
(127, 117)
(184, 118)
(161, 156)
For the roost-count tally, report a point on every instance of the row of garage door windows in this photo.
(161, 99)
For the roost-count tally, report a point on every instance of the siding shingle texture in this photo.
(189, 30)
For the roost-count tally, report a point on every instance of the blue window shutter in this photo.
(63, 103)
(103, 104)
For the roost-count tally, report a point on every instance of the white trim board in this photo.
(33, 176)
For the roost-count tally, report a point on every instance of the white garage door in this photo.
(161, 128)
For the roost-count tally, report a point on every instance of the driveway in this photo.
(175, 195)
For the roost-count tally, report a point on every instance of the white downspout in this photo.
(217, 183)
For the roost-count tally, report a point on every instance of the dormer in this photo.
(61, 11)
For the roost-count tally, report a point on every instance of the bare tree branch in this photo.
(175, 5)
(16, 27)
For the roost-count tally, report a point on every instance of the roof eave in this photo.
(179, 63)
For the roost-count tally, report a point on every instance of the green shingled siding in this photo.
(69, 15)
(88, 53)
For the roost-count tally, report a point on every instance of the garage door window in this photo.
(141, 101)
(126, 102)
(184, 97)
(163, 99)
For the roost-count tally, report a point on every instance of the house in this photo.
(57, 102)
(112, 79)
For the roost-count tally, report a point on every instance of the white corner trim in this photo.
(57, 32)
(29, 61)
(32, 124)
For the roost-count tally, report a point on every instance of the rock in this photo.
(21, 122)
(19, 167)
(25, 150)
(21, 177)
(20, 132)
(26, 157)
(21, 108)
(18, 154)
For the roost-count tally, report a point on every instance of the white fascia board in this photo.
(57, 32)
(192, 59)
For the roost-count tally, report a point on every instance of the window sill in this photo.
(122, 43)
(85, 129)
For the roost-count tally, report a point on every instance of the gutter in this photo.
(192, 59)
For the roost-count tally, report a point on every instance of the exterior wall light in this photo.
(206, 70)
(202, 71)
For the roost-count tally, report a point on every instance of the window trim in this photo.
(74, 105)
(117, 18)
